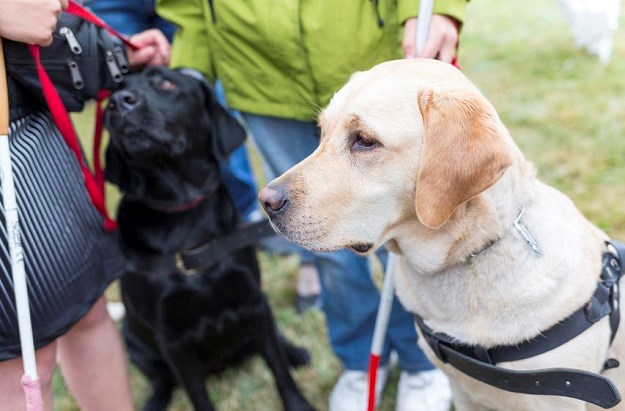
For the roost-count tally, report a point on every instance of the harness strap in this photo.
(194, 261)
(582, 385)
(616, 271)
(479, 362)
(207, 255)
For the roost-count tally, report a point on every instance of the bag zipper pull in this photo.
(112, 65)
(71, 40)
(121, 59)
(77, 79)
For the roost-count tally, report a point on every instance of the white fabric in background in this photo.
(593, 23)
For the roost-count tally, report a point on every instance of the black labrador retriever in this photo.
(168, 135)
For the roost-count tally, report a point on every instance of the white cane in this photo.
(381, 325)
(423, 23)
(386, 297)
(30, 380)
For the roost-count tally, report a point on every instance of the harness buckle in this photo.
(179, 261)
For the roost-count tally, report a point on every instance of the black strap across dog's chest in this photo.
(210, 253)
(194, 261)
(480, 363)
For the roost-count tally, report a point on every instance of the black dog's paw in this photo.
(298, 356)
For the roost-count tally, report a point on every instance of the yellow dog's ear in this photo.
(462, 155)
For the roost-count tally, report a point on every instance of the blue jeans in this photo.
(350, 299)
(131, 16)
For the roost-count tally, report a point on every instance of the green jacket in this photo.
(286, 58)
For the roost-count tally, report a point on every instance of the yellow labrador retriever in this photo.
(413, 156)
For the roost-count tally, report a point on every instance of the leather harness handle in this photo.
(4, 96)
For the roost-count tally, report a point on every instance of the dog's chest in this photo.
(214, 300)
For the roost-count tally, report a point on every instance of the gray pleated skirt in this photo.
(69, 258)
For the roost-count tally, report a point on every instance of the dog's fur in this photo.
(168, 135)
(413, 156)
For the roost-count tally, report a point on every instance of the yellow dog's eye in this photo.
(362, 142)
(165, 84)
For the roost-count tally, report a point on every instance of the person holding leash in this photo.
(69, 258)
(280, 61)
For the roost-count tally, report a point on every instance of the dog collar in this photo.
(521, 228)
(480, 363)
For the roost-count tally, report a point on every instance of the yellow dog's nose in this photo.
(273, 200)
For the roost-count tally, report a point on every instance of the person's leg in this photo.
(11, 371)
(350, 300)
(281, 142)
(241, 184)
(308, 283)
(93, 362)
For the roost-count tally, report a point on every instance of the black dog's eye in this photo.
(165, 84)
(360, 142)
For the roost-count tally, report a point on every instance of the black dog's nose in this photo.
(123, 100)
(273, 200)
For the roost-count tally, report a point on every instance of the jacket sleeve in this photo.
(454, 8)
(191, 45)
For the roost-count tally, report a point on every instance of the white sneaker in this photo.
(351, 392)
(423, 391)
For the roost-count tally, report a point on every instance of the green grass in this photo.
(565, 110)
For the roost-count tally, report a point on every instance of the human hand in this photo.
(154, 49)
(441, 42)
(30, 21)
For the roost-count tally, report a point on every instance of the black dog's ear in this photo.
(116, 171)
(227, 133)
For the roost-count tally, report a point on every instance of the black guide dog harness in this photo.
(194, 261)
(480, 362)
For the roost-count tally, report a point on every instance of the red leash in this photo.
(79, 11)
(94, 183)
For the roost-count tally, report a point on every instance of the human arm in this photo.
(154, 49)
(41, 16)
(191, 45)
(443, 35)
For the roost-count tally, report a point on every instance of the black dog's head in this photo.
(167, 128)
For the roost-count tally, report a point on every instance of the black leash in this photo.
(479, 362)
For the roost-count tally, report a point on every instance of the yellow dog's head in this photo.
(407, 140)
